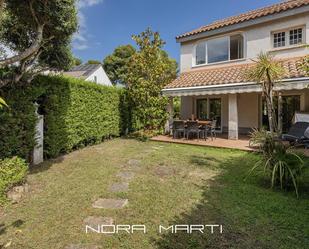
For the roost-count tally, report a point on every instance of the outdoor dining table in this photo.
(200, 122)
(204, 122)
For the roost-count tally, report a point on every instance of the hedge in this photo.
(76, 113)
(12, 172)
(17, 124)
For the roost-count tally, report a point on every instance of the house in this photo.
(214, 60)
(90, 72)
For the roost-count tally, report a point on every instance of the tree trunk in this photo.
(270, 114)
(280, 113)
(270, 104)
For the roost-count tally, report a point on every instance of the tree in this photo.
(149, 70)
(93, 62)
(39, 32)
(116, 64)
(305, 65)
(267, 72)
(77, 61)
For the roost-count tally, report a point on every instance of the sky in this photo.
(106, 24)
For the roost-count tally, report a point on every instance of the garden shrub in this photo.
(13, 171)
(283, 167)
(17, 122)
(76, 113)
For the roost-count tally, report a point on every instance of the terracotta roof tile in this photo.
(231, 74)
(276, 8)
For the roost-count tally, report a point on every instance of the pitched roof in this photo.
(276, 8)
(82, 71)
(231, 74)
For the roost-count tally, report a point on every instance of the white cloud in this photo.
(86, 3)
(80, 39)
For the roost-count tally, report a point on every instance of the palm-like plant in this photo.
(2, 103)
(267, 72)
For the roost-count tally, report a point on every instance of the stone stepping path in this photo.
(126, 175)
(110, 203)
(94, 221)
(163, 171)
(79, 246)
(119, 187)
(134, 162)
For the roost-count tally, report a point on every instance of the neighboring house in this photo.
(214, 60)
(90, 72)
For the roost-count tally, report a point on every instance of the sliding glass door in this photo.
(290, 105)
(209, 108)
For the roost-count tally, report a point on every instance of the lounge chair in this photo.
(298, 134)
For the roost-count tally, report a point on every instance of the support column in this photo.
(170, 110)
(233, 117)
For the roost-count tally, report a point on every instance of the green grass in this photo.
(206, 187)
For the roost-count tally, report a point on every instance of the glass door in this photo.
(290, 104)
(215, 111)
(209, 108)
(201, 109)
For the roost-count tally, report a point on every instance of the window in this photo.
(200, 57)
(95, 79)
(279, 39)
(296, 36)
(219, 50)
(289, 37)
(236, 47)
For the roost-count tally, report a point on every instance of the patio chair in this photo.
(178, 127)
(298, 134)
(212, 129)
(193, 128)
(204, 130)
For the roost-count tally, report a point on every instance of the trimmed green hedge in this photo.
(17, 123)
(76, 113)
(12, 172)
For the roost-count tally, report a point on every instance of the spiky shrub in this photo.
(13, 171)
(283, 167)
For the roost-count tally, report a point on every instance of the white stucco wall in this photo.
(257, 38)
(102, 77)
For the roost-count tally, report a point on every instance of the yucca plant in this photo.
(279, 163)
(267, 71)
(2, 103)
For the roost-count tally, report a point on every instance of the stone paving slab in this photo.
(79, 246)
(126, 175)
(163, 171)
(110, 203)
(94, 221)
(119, 187)
(133, 162)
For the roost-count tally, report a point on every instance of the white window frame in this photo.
(229, 47)
(287, 37)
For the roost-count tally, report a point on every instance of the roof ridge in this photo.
(246, 15)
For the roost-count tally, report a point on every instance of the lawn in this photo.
(172, 184)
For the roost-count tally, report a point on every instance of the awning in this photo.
(295, 84)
